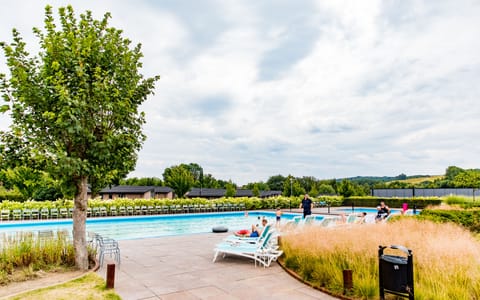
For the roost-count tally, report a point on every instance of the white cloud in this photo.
(321, 88)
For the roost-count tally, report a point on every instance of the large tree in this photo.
(346, 188)
(75, 106)
(276, 182)
(452, 172)
(179, 178)
(144, 181)
(292, 187)
(467, 179)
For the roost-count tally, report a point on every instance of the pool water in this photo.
(365, 209)
(136, 227)
(370, 210)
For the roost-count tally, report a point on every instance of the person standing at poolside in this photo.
(306, 204)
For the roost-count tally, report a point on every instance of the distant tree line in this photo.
(38, 185)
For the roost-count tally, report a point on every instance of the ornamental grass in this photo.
(24, 253)
(446, 257)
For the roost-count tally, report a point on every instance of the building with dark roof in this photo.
(136, 192)
(267, 194)
(218, 193)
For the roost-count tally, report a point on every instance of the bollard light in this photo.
(110, 276)
(347, 281)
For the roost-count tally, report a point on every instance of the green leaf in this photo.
(4, 108)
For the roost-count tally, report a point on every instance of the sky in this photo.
(330, 89)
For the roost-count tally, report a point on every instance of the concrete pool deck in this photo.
(181, 267)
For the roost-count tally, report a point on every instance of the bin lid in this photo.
(399, 260)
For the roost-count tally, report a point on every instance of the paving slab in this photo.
(181, 267)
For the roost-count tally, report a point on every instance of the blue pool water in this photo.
(136, 227)
(370, 210)
(365, 209)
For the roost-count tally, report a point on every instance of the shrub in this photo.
(250, 203)
(331, 200)
(462, 201)
(469, 218)
(12, 195)
(370, 201)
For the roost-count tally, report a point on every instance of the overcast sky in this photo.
(251, 89)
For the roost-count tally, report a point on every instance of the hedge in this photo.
(369, 201)
(470, 218)
(251, 203)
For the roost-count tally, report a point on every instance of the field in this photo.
(421, 179)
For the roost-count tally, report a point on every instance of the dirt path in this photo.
(45, 280)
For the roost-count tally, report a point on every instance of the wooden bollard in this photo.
(110, 276)
(347, 281)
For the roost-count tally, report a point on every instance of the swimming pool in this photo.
(136, 227)
(370, 210)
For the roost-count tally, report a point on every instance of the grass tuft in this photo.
(23, 254)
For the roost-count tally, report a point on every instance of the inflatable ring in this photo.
(242, 233)
(218, 229)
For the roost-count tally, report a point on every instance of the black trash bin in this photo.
(396, 273)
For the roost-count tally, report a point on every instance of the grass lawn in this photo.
(90, 286)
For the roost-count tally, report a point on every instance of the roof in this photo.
(217, 193)
(206, 192)
(264, 194)
(163, 190)
(244, 193)
(135, 189)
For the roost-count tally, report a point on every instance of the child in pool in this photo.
(278, 215)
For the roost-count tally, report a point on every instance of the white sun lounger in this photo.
(263, 253)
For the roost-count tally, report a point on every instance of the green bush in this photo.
(11, 195)
(330, 200)
(469, 218)
(250, 203)
(462, 201)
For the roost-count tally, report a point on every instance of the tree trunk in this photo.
(79, 224)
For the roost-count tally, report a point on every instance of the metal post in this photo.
(328, 207)
(291, 188)
(353, 206)
(110, 276)
(201, 182)
(347, 281)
